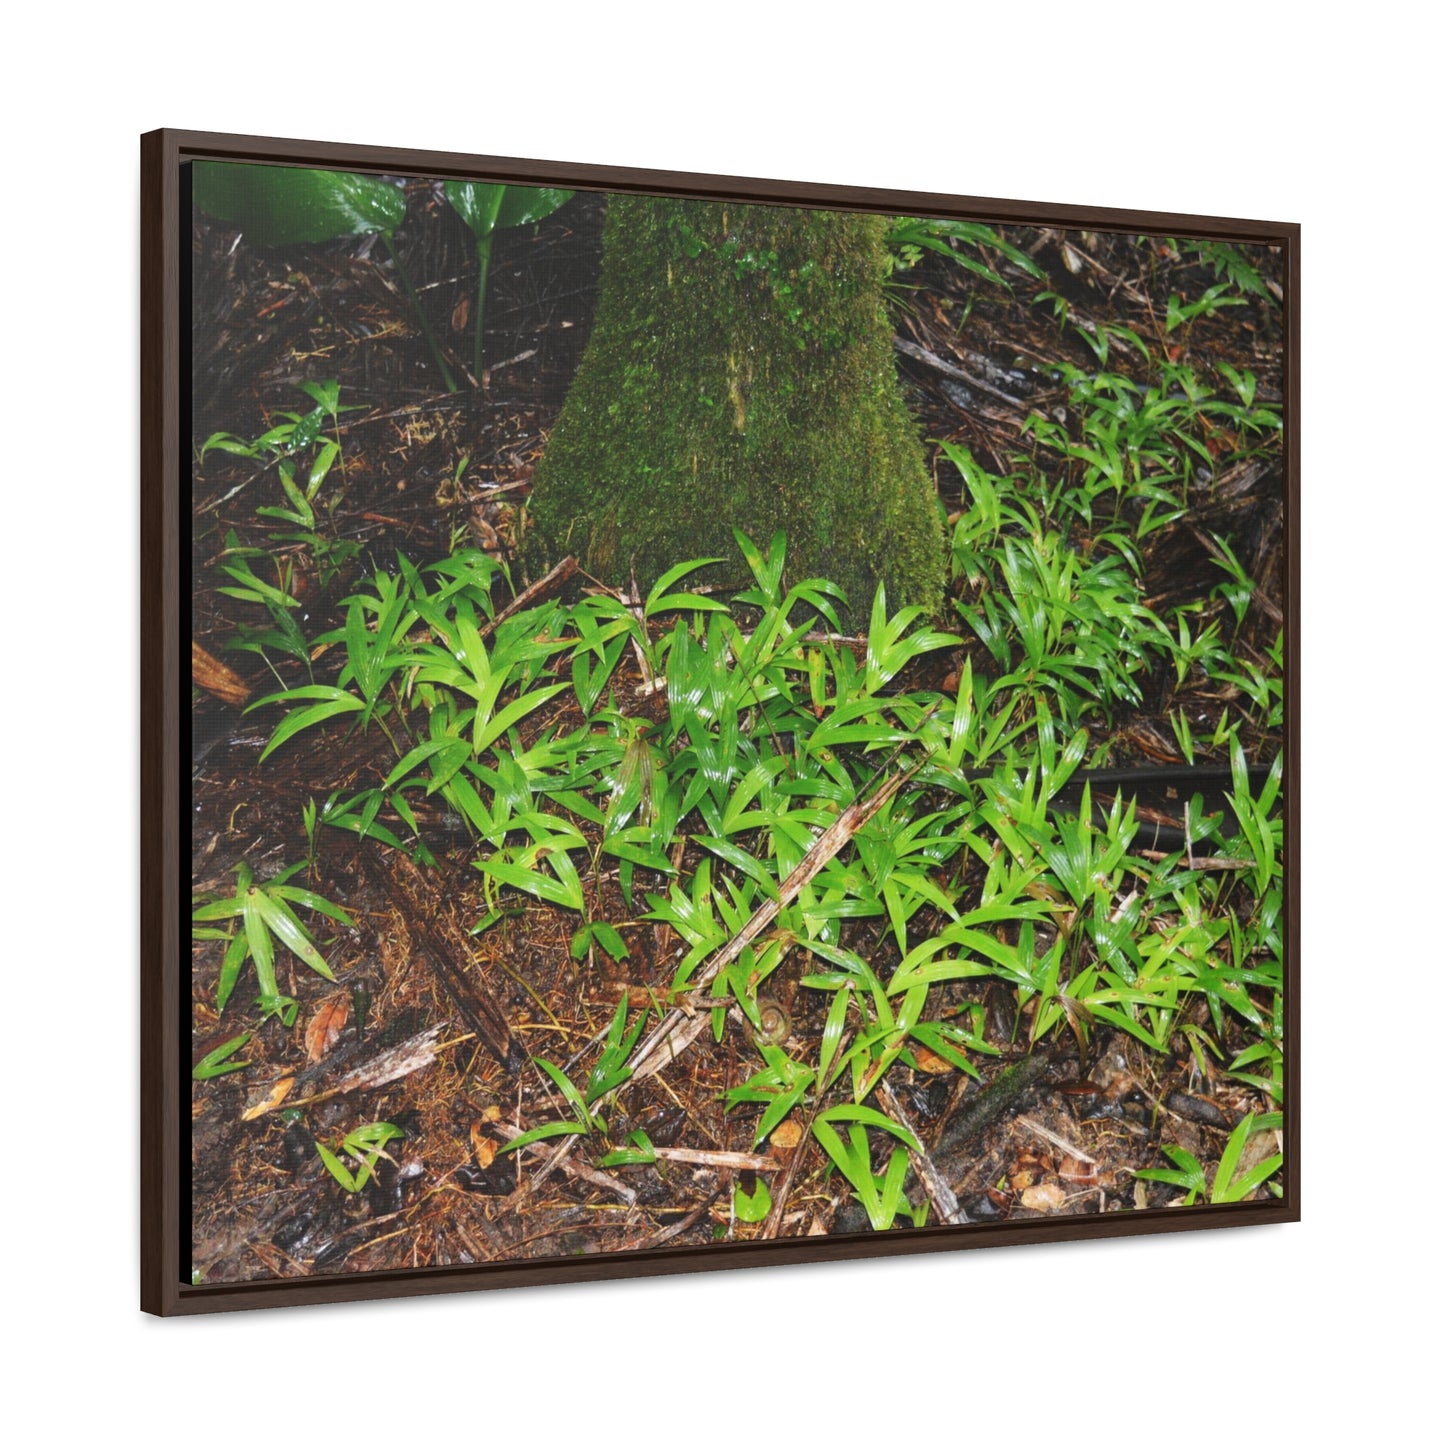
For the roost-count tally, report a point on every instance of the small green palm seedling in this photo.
(376, 653)
(366, 1145)
(266, 915)
(297, 432)
(881, 1195)
(583, 1120)
(1212, 301)
(487, 209)
(610, 1072)
(283, 445)
(1188, 1173)
(909, 237)
(598, 934)
(1227, 262)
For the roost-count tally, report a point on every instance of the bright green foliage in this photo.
(1188, 1173)
(971, 870)
(219, 1060)
(740, 373)
(881, 1195)
(752, 1208)
(283, 205)
(702, 784)
(266, 915)
(969, 244)
(283, 445)
(366, 1145)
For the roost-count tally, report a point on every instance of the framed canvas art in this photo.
(729, 722)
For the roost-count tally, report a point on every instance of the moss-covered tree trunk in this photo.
(741, 373)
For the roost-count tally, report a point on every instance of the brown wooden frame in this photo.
(163, 1070)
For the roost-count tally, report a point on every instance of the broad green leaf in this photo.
(284, 205)
(295, 722)
(523, 205)
(287, 927)
(477, 203)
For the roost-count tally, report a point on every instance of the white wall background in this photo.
(1223, 110)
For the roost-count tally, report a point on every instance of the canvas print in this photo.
(718, 722)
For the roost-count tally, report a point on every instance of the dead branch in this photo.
(945, 1202)
(678, 1030)
(557, 1159)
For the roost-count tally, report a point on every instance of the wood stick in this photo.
(934, 1184)
(1058, 1141)
(554, 581)
(720, 1159)
(557, 1159)
(947, 368)
(678, 1030)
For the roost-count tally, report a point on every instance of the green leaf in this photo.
(283, 205)
(338, 1171)
(569, 1092)
(543, 1131)
(214, 1064)
(657, 599)
(565, 888)
(523, 205)
(1228, 1189)
(287, 927)
(642, 1152)
(513, 713)
(862, 1114)
(237, 952)
(752, 1208)
(477, 203)
(303, 718)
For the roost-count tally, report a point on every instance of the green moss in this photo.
(741, 373)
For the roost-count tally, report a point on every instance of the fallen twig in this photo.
(557, 1159)
(562, 573)
(383, 1068)
(945, 1202)
(947, 368)
(1058, 1141)
(678, 1030)
(720, 1159)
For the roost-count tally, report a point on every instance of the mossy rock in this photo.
(740, 373)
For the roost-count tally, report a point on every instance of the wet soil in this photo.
(412, 982)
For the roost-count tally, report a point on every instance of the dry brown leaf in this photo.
(214, 677)
(484, 1148)
(326, 1026)
(278, 1093)
(1044, 1197)
(788, 1135)
(929, 1062)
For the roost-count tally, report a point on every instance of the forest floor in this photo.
(431, 1028)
